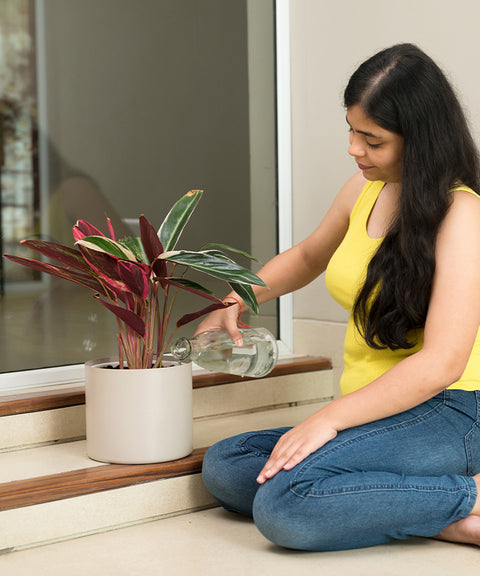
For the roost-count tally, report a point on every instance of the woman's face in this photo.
(376, 151)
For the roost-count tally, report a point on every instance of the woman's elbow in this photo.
(448, 367)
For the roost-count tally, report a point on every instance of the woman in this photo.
(398, 454)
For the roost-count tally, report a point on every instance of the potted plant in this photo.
(139, 405)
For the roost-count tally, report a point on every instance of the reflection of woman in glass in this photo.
(398, 454)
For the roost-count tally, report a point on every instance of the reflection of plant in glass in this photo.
(138, 279)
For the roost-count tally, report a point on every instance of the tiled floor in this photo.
(214, 542)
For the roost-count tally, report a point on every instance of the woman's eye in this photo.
(373, 145)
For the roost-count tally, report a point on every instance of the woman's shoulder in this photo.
(464, 212)
(464, 191)
(464, 198)
(351, 191)
(357, 190)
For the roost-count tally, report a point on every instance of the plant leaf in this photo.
(110, 228)
(230, 249)
(151, 242)
(83, 229)
(130, 318)
(134, 277)
(153, 247)
(245, 292)
(211, 308)
(214, 266)
(103, 244)
(88, 281)
(106, 267)
(217, 253)
(177, 218)
(193, 287)
(63, 254)
(134, 244)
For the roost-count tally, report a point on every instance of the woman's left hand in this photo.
(296, 444)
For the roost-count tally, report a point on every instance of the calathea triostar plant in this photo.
(138, 279)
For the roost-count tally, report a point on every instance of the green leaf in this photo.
(230, 249)
(135, 245)
(214, 266)
(176, 220)
(194, 288)
(246, 294)
(189, 285)
(218, 254)
(103, 244)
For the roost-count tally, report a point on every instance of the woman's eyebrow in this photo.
(364, 132)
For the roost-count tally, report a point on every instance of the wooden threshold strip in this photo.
(40, 490)
(22, 403)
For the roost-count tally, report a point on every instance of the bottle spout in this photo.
(181, 349)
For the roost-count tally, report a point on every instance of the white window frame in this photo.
(59, 375)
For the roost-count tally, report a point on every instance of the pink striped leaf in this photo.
(190, 317)
(110, 228)
(63, 254)
(88, 281)
(153, 247)
(134, 276)
(130, 318)
(83, 228)
(106, 267)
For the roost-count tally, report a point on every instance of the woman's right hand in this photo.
(223, 319)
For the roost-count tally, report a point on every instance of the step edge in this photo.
(37, 401)
(84, 481)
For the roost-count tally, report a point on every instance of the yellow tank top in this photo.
(345, 275)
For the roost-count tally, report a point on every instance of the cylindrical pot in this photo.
(138, 416)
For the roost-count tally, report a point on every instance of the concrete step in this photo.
(50, 490)
(58, 414)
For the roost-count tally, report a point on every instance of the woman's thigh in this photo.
(436, 438)
(393, 478)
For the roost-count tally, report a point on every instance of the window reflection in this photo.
(141, 102)
(19, 187)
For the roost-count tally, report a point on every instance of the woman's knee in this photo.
(228, 475)
(215, 469)
(275, 513)
(290, 520)
(210, 464)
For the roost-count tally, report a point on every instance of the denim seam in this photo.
(382, 488)
(473, 430)
(472, 494)
(468, 450)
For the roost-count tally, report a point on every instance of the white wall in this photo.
(328, 40)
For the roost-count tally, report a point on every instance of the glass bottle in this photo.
(216, 351)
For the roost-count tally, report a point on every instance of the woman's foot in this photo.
(467, 530)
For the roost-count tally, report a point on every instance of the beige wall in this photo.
(329, 39)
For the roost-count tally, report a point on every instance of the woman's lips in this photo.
(362, 167)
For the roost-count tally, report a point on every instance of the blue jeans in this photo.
(402, 476)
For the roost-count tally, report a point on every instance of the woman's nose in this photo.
(356, 147)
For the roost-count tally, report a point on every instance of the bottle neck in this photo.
(181, 349)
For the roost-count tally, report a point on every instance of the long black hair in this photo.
(402, 90)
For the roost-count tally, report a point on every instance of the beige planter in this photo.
(138, 416)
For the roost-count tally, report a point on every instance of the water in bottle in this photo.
(216, 351)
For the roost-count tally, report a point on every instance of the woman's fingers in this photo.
(285, 455)
(294, 446)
